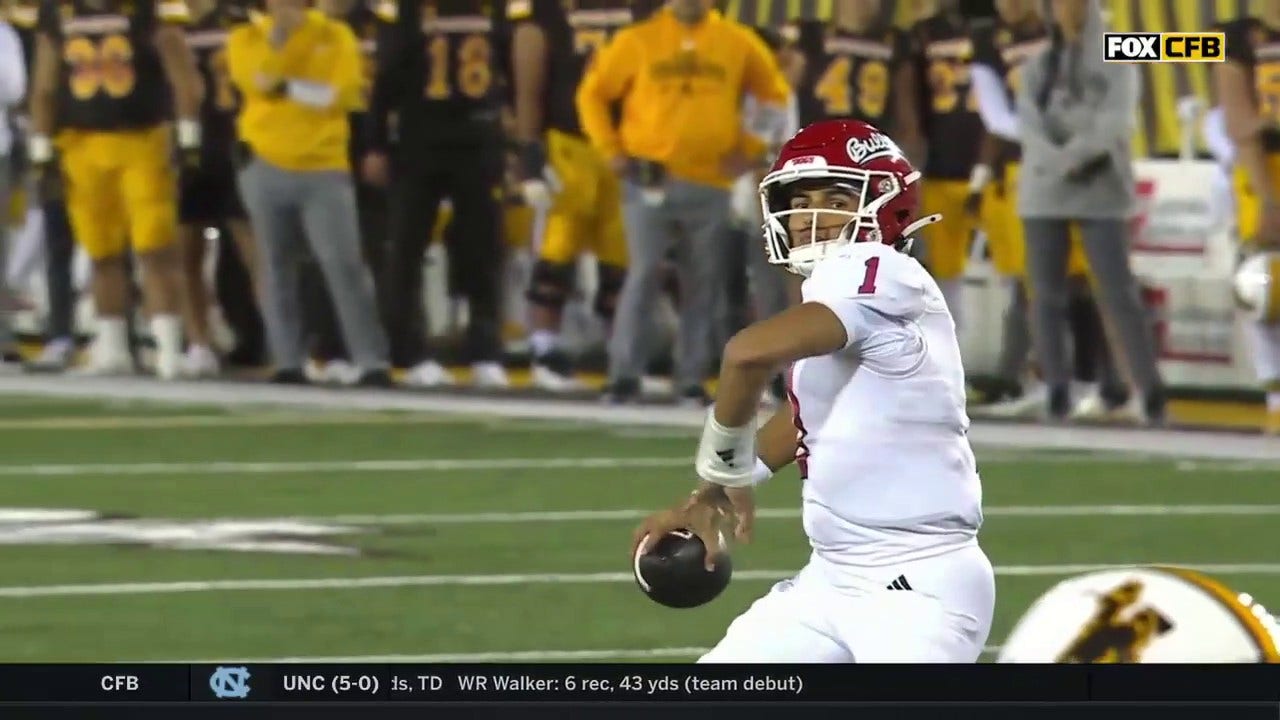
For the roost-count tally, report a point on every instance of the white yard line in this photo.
(271, 467)
(1165, 443)
(317, 466)
(489, 657)
(400, 581)
(558, 516)
(268, 418)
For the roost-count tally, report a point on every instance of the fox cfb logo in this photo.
(1204, 47)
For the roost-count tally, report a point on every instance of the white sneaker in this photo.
(1092, 407)
(56, 355)
(314, 371)
(101, 365)
(1031, 403)
(545, 378)
(489, 375)
(340, 372)
(651, 385)
(224, 337)
(428, 373)
(200, 362)
(169, 366)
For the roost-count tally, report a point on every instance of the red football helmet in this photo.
(859, 159)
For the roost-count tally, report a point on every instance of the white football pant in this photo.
(836, 614)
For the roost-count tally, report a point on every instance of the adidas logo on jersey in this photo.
(899, 583)
(875, 146)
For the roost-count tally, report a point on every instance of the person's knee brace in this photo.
(550, 284)
(610, 287)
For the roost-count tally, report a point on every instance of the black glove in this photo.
(1086, 171)
(648, 174)
(531, 160)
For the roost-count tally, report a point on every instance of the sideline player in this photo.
(441, 74)
(854, 67)
(1248, 87)
(108, 76)
(953, 132)
(209, 197)
(876, 425)
(559, 170)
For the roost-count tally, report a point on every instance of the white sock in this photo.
(167, 332)
(112, 336)
(543, 341)
(952, 292)
(1273, 401)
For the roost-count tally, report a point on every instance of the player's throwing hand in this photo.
(702, 514)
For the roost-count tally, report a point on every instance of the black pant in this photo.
(319, 316)
(60, 250)
(235, 295)
(470, 175)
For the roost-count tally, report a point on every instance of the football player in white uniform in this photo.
(876, 423)
(1143, 615)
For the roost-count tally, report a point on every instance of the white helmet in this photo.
(1143, 615)
(1257, 286)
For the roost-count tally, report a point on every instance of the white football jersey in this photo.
(890, 476)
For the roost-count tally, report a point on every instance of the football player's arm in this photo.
(612, 71)
(776, 440)
(179, 64)
(727, 453)
(792, 55)
(44, 98)
(1244, 124)
(529, 50)
(764, 80)
(752, 357)
(993, 106)
(13, 69)
(387, 80)
(1216, 138)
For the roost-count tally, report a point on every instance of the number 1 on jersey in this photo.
(868, 286)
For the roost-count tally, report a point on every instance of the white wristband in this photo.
(39, 149)
(188, 134)
(979, 178)
(725, 454)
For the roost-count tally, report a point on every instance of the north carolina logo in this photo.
(877, 145)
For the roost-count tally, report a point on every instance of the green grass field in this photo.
(439, 539)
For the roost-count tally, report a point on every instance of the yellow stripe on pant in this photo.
(1006, 240)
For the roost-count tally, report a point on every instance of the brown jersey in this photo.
(848, 75)
(207, 38)
(110, 77)
(1003, 48)
(952, 126)
(574, 30)
(1256, 46)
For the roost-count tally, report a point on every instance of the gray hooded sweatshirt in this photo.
(1076, 116)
